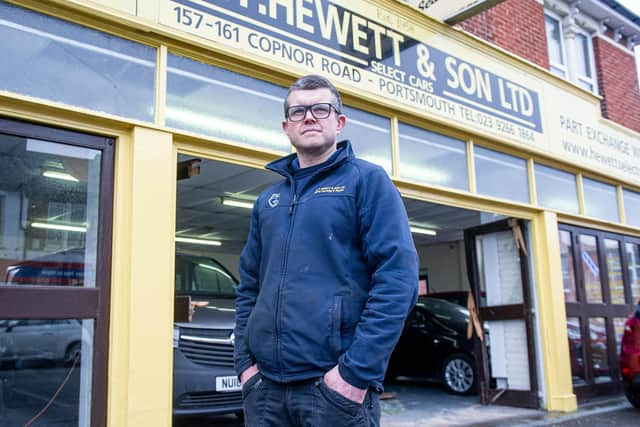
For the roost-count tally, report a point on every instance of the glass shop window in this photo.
(556, 189)
(370, 136)
(631, 207)
(600, 200)
(432, 158)
(213, 101)
(501, 175)
(60, 61)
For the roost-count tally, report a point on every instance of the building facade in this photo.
(124, 126)
(589, 43)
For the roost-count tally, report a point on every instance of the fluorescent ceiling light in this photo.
(60, 175)
(198, 241)
(237, 203)
(420, 230)
(61, 227)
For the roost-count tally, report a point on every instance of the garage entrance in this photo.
(214, 201)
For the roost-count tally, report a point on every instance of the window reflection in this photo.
(501, 175)
(614, 270)
(633, 262)
(44, 363)
(370, 136)
(576, 350)
(49, 58)
(618, 326)
(432, 158)
(590, 268)
(631, 207)
(556, 189)
(600, 200)
(599, 350)
(49, 228)
(568, 273)
(213, 101)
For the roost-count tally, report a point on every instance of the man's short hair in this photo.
(310, 82)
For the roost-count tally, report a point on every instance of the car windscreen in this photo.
(204, 277)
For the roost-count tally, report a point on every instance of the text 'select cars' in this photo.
(434, 344)
(630, 358)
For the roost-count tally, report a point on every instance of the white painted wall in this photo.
(446, 266)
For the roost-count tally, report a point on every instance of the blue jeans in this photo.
(308, 403)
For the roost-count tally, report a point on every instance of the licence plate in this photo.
(231, 383)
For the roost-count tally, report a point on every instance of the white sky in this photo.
(633, 6)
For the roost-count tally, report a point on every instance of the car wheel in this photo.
(459, 374)
(72, 352)
(632, 397)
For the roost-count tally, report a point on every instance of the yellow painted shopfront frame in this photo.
(141, 315)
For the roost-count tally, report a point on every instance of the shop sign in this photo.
(452, 10)
(368, 51)
(605, 148)
(370, 48)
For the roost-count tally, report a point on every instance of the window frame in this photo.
(563, 51)
(592, 81)
(569, 67)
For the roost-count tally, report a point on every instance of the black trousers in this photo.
(308, 403)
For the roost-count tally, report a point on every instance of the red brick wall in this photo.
(618, 84)
(515, 25)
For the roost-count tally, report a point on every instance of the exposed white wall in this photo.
(446, 266)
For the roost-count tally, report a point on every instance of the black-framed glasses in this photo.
(321, 110)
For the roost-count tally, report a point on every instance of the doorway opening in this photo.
(462, 252)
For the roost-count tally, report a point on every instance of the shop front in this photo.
(133, 136)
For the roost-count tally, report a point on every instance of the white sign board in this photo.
(447, 10)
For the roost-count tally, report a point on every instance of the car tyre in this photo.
(239, 415)
(632, 396)
(459, 374)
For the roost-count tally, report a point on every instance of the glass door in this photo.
(600, 286)
(498, 270)
(55, 257)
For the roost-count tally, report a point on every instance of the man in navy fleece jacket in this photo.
(327, 277)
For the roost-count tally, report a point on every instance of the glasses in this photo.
(321, 110)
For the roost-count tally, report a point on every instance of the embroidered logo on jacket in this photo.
(274, 200)
(331, 189)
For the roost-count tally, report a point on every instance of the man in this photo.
(327, 277)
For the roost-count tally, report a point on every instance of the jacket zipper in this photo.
(286, 256)
(284, 275)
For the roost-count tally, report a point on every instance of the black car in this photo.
(434, 345)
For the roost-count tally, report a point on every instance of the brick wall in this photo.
(618, 84)
(515, 25)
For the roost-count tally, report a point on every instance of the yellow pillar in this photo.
(141, 331)
(552, 314)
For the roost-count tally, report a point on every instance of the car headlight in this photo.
(176, 336)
